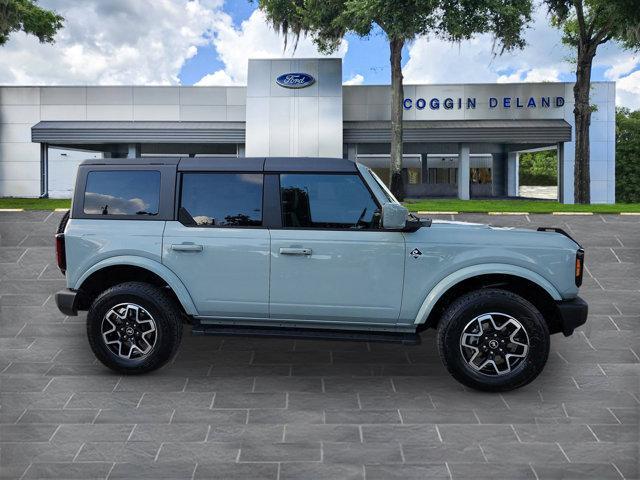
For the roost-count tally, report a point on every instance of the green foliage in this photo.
(627, 155)
(27, 16)
(597, 21)
(539, 168)
(327, 21)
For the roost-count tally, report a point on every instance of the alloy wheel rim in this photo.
(494, 344)
(129, 331)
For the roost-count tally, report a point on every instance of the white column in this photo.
(513, 164)
(133, 150)
(463, 171)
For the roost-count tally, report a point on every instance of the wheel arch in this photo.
(115, 270)
(521, 281)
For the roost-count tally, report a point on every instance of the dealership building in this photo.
(460, 140)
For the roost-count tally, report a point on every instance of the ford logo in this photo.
(295, 80)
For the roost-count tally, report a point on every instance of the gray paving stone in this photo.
(361, 453)
(436, 451)
(24, 453)
(145, 432)
(84, 471)
(521, 452)
(477, 433)
(320, 471)
(58, 416)
(134, 415)
(496, 471)
(575, 471)
(223, 416)
(157, 470)
(246, 433)
(363, 416)
(28, 433)
(399, 433)
(327, 433)
(407, 472)
(249, 400)
(280, 452)
(279, 416)
(92, 433)
(554, 433)
(121, 452)
(198, 452)
(242, 471)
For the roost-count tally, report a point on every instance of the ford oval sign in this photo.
(295, 80)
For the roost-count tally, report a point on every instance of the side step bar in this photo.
(405, 338)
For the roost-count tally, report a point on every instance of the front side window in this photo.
(327, 201)
(122, 192)
(222, 199)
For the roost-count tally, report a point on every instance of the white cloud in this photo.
(531, 75)
(433, 60)
(253, 39)
(628, 91)
(114, 42)
(357, 79)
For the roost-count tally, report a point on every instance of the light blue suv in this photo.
(304, 247)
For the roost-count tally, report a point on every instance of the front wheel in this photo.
(493, 340)
(134, 327)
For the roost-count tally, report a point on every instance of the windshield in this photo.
(384, 188)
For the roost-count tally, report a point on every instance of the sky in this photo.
(208, 42)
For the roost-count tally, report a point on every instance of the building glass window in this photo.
(480, 175)
(122, 192)
(222, 199)
(327, 201)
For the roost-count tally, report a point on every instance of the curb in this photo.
(436, 213)
(11, 209)
(571, 213)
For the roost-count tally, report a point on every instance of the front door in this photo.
(331, 261)
(219, 248)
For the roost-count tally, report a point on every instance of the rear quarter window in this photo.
(122, 192)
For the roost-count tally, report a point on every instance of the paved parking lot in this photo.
(273, 408)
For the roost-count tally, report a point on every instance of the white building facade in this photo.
(460, 140)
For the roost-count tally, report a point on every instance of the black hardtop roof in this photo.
(237, 164)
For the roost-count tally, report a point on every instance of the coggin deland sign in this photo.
(469, 103)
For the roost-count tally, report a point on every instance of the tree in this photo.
(587, 24)
(28, 17)
(627, 156)
(327, 21)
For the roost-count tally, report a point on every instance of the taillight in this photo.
(579, 266)
(61, 256)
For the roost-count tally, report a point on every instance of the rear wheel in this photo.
(134, 327)
(493, 340)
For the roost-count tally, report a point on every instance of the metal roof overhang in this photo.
(475, 131)
(71, 133)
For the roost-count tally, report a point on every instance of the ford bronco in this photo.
(304, 247)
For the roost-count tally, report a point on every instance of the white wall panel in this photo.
(110, 112)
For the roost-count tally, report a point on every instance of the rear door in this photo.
(219, 247)
(331, 261)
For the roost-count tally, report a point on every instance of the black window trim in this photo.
(165, 199)
(356, 173)
(178, 197)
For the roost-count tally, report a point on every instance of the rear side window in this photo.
(327, 201)
(122, 192)
(222, 199)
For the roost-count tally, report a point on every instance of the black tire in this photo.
(468, 307)
(158, 304)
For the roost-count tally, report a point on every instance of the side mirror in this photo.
(394, 216)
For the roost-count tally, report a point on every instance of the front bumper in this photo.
(573, 313)
(67, 301)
